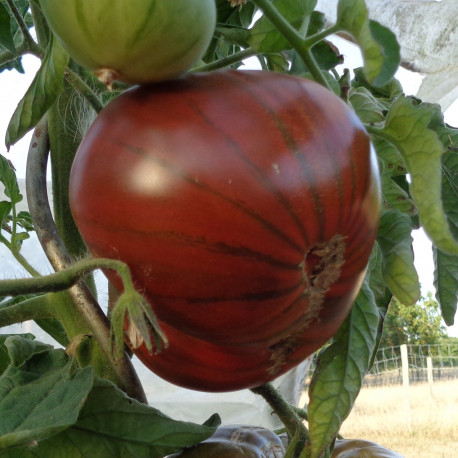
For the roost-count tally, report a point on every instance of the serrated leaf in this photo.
(15, 64)
(264, 36)
(387, 93)
(41, 94)
(113, 425)
(4, 356)
(395, 241)
(340, 370)
(21, 349)
(6, 38)
(5, 209)
(9, 181)
(379, 47)
(41, 397)
(446, 284)
(407, 127)
(367, 107)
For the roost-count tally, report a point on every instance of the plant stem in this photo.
(293, 37)
(83, 300)
(286, 413)
(226, 61)
(29, 42)
(64, 279)
(35, 308)
(82, 88)
(18, 256)
(40, 24)
(312, 40)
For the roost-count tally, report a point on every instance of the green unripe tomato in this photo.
(135, 41)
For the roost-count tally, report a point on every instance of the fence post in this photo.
(429, 368)
(405, 366)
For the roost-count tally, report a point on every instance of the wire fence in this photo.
(411, 364)
(416, 363)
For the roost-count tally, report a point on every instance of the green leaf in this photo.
(6, 38)
(395, 241)
(379, 47)
(5, 209)
(15, 64)
(4, 356)
(340, 370)
(385, 93)
(41, 94)
(9, 181)
(113, 425)
(407, 128)
(264, 36)
(367, 107)
(41, 397)
(22, 349)
(446, 284)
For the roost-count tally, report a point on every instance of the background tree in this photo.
(419, 324)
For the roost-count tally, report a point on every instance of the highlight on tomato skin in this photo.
(246, 204)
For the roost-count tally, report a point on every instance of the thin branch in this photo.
(35, 308)
(226, 61)
(60, 259)
(83, 88)
(287, 414)
(294, 38)
(63, 279)
(29, 43)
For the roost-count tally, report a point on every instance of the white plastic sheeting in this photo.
(428, 34)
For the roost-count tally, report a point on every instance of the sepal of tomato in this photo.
(237, 441)
(246, 204)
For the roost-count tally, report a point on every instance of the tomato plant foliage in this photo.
(80, 401)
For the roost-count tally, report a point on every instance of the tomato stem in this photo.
(227, 61)
(294, 37)
(83, 304)
(287, 414)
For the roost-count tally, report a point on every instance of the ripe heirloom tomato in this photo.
(246, 204)
(136, 41)
(237, 441)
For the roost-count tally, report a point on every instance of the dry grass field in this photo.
(418, 422)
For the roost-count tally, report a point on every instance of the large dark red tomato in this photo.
(246, 205)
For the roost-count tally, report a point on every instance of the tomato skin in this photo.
(234, 441)
(246, 204)
(135, 41)
(353, 448)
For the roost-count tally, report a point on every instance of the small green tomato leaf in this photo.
(395, 240)
(265, 37)
(22, 349)
(41, 94)
(446, 284)
(9, 181)
(6, 38)
(5, 359)
(56, 391)
(407, 128)
(340, 370)
(379, 47)
(367, 107)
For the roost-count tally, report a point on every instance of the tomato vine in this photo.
(418, 160)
